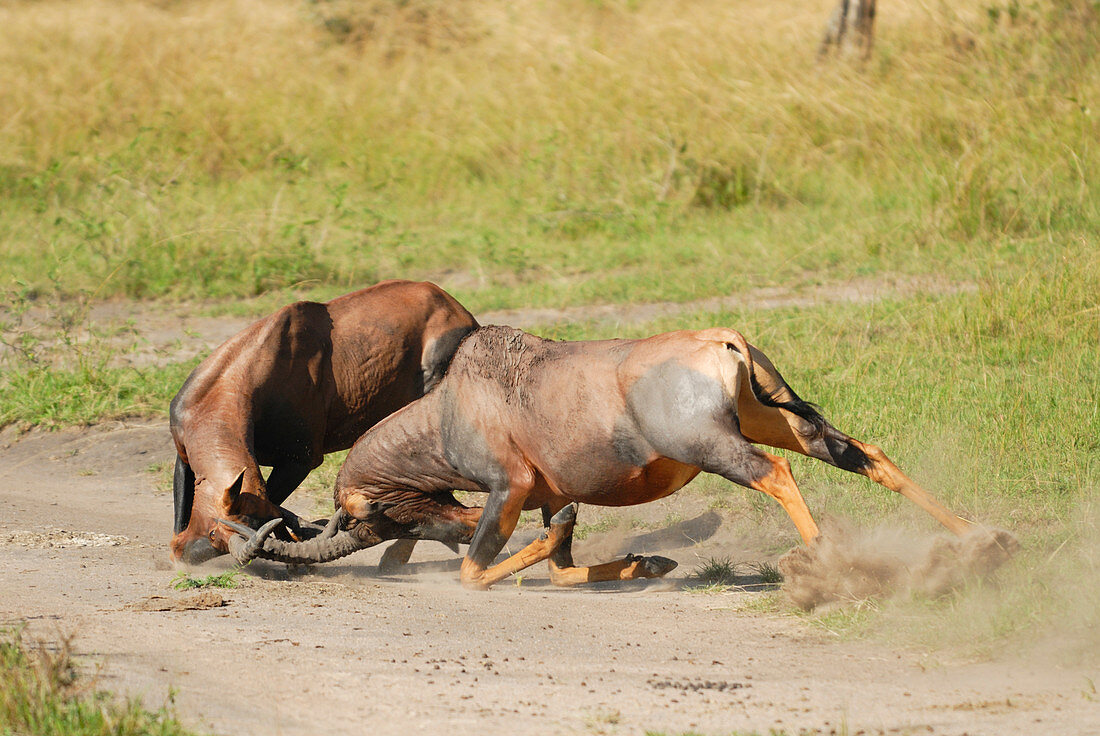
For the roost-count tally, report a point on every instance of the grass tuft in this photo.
(227, 579)
(768, 573)
(717, 571)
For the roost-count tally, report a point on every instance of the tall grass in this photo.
(532, 152)
(42, 693)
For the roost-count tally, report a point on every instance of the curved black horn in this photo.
(302, 529)
(328, 546)
(248, 543)
(183, 494)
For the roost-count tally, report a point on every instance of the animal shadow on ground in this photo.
(675, 536)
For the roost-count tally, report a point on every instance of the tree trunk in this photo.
(860, 15)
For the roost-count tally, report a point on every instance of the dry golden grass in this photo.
(202, 148)
(594, 98)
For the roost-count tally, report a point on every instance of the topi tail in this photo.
(793, 404)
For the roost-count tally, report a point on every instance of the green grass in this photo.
(86, 394)
(227, 579)
(42, 694)
(717, 571)
(567, 154)
(769, 574)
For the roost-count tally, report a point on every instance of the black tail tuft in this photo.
(795, 405)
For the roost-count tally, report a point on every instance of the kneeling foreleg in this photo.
(564, 573)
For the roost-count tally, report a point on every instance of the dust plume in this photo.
(851, 564)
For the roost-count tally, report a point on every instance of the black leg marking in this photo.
(283, 480)
(488, 539)
(845, 455)
(562, 556)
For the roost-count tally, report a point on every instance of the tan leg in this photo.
(498, 520)
(780, 485)
(564, 573)
(536, 551)
(883, 471)
(632, 567)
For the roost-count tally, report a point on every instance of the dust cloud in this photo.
(848, 564)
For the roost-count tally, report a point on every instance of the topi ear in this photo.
(231, 498)
(253, 503)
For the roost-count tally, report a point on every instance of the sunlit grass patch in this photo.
(583, 531)
(60, 372)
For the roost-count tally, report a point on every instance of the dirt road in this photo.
(143, 334)
(83, 533)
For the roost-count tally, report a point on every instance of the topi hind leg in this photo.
(781, 428)
(871, 461)
(780, 485)
(564, 573)
(736, 460)
(706, 433)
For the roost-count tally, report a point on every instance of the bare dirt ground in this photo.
(84, 524)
